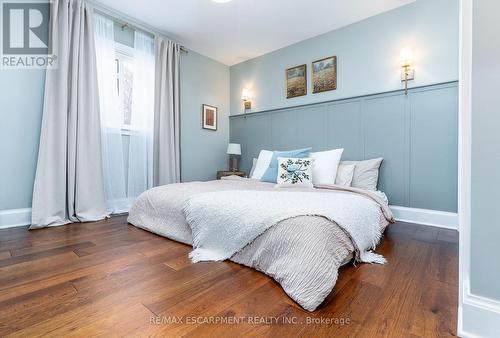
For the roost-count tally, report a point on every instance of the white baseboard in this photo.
(14, 218)
(478, 316)
(19, 217)
(441, 219)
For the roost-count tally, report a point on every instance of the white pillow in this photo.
(345, 173)
(254, 163)
(325, 166)
(295, 172)
(262, 164)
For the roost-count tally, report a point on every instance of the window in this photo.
(125, 81)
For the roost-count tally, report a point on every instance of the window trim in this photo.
(124, 50)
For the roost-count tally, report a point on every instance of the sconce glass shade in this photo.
(245, 94)
(234, 149)
(406, 57)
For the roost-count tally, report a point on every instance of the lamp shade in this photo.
(245, 94)
(406, 57)
(234, 149)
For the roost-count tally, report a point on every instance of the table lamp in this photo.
(233, 150)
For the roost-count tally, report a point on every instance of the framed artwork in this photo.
(324, 76)
(296, 81)
(209, 117)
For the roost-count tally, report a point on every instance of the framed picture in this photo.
(296, 81)
(209, 117)
(324, 76)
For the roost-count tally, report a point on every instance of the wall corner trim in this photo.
(15, 218)
(440, 219)
(478, 316)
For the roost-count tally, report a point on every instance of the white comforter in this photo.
(303, 254)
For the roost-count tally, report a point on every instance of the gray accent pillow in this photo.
(254, 164)
(365, 173)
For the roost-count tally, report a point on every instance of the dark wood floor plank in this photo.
(30, 271)
(120, 323)
(448, 236)
(26, 310)
(86, 290)
(104, 294)
(13, 244)
(30, 257)
(259, 303)
(5, 255)
(208, 300)
(110, 278)
(121, 239)
(38, 277)
(398, 299)
(67, 239)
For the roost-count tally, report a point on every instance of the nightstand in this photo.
(225, 173)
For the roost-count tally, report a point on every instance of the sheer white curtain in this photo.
(127, 145)
(111, 116)
(140, 163)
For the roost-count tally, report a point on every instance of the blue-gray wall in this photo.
(415, 134)
(368, 56)
(485, 151)
(21, 98)
(203, 151)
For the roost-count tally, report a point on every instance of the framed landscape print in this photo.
(296, 81)
(324, 75)
(209, 117)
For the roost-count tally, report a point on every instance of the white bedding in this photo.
(303, 253)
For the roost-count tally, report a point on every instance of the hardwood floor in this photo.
(110, 278)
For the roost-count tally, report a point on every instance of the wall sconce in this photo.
(246, 97)
(407, 73)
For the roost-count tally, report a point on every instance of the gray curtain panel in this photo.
(166, 141)
(69, 185)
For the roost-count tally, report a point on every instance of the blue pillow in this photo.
(271, 173)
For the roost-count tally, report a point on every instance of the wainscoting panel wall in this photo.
(423, 145)
(417, 135)
(385, 135)
(344, 128)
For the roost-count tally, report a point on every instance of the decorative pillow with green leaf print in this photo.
(295, 172)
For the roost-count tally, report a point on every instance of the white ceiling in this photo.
(243, 29)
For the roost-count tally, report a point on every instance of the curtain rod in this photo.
(127, 21)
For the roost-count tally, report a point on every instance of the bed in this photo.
(302, 251)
